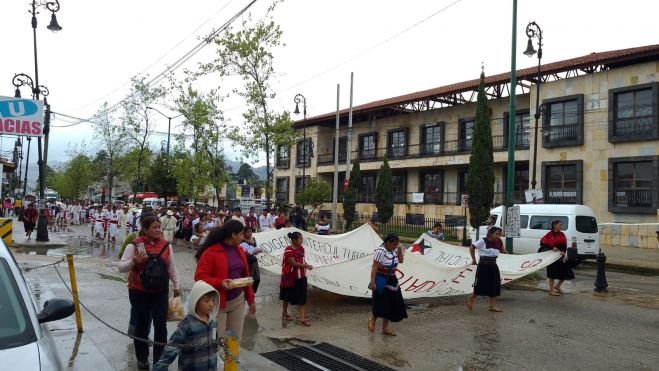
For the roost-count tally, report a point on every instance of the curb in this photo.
(619, 266)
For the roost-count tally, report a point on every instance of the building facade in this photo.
(598, 140)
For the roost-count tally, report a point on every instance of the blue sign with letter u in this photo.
(18, 108)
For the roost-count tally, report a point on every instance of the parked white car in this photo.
(579, 226)
(25, 342)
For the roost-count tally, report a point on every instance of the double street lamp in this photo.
(169, 124)
(534, 31)
(299, 98)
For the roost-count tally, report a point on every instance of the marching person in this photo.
(322, 227)
(250, 247)
(293, 283)
(149, 301)
(30, 216)
(264, 221)
(220, 259)
(387, 301)
(168, 223)
(560, 269)
(113, 224)
(488, 278)
(99, 228)
(123, 221)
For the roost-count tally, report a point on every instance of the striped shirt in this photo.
(384, 257)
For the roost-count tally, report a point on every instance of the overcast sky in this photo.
(393, 47)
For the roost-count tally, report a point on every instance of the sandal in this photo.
(386, 331)
(286, 317)
(304, 322)
(371, 324)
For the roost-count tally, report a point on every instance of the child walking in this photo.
(198, 327)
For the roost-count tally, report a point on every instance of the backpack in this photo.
(155, 276)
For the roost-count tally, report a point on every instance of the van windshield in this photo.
(586, 224)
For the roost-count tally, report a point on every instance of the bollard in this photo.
(231, 347)
(600, 282)
(6, 229)
(74, 291)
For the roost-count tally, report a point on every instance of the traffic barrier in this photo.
(231, 348)
(6, 228)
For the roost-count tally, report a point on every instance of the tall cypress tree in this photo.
(350, 195)
(384, 193)
(480, 183)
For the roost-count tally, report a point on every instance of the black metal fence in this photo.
(411, 225)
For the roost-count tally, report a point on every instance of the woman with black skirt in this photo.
(293, 284)
(560, 269)
(387, 298)
(488, 279)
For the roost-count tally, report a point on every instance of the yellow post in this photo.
(6, 228)
(230, 351)
(74, 290)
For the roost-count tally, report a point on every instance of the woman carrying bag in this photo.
(148, 289)
(387, 298)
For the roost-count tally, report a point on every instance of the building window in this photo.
(466, 134)
(281, 185)
(432, 185)
(304, 153)
(431, 139)
(283, 158)
(522, 128)
(367, 189)
(633, 113)
(343, 149)
(562, 182)
(562, 123)
(397, 143)
(634, 184)
(399, 185)
(367, 146)
(300, 182)
(463, 175)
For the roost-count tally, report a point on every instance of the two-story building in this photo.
(598, 140)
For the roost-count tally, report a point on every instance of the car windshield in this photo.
(15, 326)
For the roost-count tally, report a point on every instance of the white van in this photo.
(579, 226)
(153, 202)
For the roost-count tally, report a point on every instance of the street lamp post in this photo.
(20, 80)
(53, 6)
(300, 98)
(534, 31)
(169, 125)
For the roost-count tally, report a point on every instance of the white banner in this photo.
(21, 116)
(342, 263)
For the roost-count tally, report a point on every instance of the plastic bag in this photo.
(175, 309)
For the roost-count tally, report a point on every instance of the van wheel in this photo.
(575, 263)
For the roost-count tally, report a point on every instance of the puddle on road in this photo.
(81, 246)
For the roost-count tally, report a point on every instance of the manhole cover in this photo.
(322, 356)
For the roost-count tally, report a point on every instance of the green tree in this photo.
(247, 173)
(199, 149)
(113, 138)
(128, 166)
(159, 178)
(248, 53)
(137, 123)
(480, 182)
(350, 195)
(314, 194)
(75, 178)
(384, 193)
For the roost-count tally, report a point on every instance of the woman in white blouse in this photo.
(387, 298)
(488, 279)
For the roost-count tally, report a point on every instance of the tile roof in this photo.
(583, 62)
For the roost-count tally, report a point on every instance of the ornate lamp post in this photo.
(300, 98)
(534, 31)
(20, 80)
(53, 6)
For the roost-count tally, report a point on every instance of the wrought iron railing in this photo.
(558, 134)
(633, 198)
(632, 127)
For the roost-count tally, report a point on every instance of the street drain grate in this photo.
(322, 356)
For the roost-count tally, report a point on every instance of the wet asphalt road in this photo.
(580, 330)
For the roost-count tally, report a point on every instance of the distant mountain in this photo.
(235, 165)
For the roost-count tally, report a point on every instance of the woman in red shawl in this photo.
(30, 216)
(560, 269)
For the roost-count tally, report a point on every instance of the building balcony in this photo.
(559, 135)
(634, 128)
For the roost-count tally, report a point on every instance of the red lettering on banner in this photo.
(461, 275)
(25, 127)
(530, 264)
(8, 126)
(12, 126)
(416, 288)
